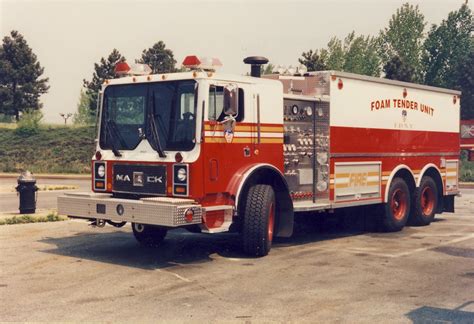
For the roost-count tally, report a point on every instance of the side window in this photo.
(216, 104)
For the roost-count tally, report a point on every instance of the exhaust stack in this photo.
(255, 63)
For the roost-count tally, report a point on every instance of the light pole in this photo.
(65, 116)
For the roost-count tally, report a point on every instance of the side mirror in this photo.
(231, 100)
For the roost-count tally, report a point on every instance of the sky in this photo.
(68, 37)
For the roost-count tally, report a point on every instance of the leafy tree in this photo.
(83, 115)
(360, 55)
(159, 58)
(102, 71)
(313, 60)
(357, 54)
(21, 84)
(404, 38)
(447, 48)
(334, 55)
(267, 69)
(396, 69)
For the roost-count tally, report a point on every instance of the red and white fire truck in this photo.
(213, 153)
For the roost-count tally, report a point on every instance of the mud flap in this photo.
(448, 204)
(286, 217)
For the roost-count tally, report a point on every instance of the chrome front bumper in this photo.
(161, 211)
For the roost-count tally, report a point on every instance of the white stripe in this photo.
(244, 134)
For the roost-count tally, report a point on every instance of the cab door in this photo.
(227, 137)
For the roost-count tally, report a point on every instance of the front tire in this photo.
(397, 209)
(425, 202)
(259, 220)
(149, 235)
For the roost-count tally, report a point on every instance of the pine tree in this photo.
(103, 70)
(159, 58)
(21, 84)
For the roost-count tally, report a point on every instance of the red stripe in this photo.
(372, 140)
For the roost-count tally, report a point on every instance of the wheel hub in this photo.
(399, 204)
(427, 201)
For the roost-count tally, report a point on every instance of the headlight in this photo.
(182, 174)
(101, 171)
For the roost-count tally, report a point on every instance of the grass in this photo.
(53, 149)
(466, 171)
(25, 219)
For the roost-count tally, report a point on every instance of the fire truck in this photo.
(467, 138)
(212, 153)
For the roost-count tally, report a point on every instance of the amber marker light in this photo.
(163, 77)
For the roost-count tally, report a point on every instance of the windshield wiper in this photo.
(112, 133)
(154, 130)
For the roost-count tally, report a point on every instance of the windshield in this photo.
(162, 113)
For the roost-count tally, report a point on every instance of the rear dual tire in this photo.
(425, 202)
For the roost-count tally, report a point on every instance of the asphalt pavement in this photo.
(68, 271)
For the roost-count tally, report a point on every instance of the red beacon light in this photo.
(123, 69)
(193, 62)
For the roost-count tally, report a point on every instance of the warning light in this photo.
(405, 93)
(201, 63)
(188, 215)
(340, 84)
(121, 68)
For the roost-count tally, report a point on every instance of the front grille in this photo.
(139, 179)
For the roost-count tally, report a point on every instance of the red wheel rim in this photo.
(271, 222)
(399, 204)
(427, 201)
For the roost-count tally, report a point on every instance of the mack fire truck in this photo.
(213, 153)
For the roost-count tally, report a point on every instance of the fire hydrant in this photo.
(27, 190)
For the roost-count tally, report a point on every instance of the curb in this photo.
(49, 176)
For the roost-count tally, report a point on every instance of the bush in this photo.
(29, 123)
(6, 118)
(55, 149)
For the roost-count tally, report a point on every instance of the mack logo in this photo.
(122, 177)
(138, 178)
(154, 179)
